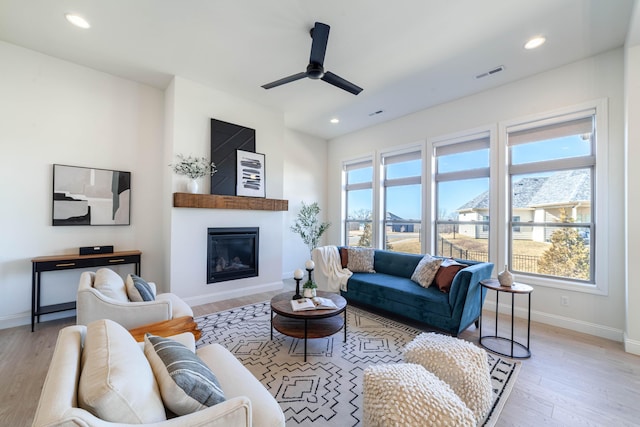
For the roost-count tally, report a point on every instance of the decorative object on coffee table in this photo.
(193, 168)
(298, 275)
(309, 288)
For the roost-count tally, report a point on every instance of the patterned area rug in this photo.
(327, 389)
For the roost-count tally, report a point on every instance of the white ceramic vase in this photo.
(192, 186)
(505, 277)
(309, 292)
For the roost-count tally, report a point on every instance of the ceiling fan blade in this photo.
(320, 35)
(338, 81)
(289, 79)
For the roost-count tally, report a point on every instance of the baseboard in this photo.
(562, 322)
(234, 293)
(631, 346)
(24, 318)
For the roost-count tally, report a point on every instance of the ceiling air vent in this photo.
(490, 72)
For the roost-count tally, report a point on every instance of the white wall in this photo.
(632, 153)
(588, 80)
(305, 166)
(193, 106)
(52, 111)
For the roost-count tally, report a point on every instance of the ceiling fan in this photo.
(315, 70)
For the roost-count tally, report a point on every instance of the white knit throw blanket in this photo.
(329, 272)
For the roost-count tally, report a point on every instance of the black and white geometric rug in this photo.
(327, 389)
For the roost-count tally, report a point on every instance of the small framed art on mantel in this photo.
(250, 174)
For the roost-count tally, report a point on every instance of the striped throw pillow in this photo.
(186, 383)
(138, 289)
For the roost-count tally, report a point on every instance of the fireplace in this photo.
(232, 253)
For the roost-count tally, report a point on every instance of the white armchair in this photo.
(113, 303)
(248, 403)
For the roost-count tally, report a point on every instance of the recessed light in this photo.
(77, 20)
(335, 120)
(535, 42)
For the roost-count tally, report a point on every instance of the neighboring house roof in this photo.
(561, 187)
(394, 217)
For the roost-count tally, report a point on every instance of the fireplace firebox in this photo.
(232, 253)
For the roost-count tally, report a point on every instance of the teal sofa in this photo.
(391, 289)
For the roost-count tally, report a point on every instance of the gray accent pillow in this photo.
(426, 270)
(186, 383)
(360, 260)
(138, 289)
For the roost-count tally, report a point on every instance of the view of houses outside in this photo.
(550, 231)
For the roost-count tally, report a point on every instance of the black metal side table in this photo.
(493, 342)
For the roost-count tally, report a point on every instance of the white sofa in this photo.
(124, 381)
(113, 303)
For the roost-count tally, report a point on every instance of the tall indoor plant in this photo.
(308, 226)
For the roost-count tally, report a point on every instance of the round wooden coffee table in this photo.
(308, 324)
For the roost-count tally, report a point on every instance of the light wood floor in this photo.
(572, 379)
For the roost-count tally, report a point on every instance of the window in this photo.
(358, 178)
(462, 197)
(402, 185)
(551, 182)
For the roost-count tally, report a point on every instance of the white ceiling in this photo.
(407, 54)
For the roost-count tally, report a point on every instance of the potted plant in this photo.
(308, 227)
(309, 289)
(194, 168)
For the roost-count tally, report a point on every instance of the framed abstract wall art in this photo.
(250, 177)
(90, 196)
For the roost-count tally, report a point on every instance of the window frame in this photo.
(454, 143)
(599, 253)
(346, 167)
(398, 156)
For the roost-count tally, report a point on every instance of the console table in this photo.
(70, 262)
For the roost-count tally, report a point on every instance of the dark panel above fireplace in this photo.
(226, 138)
(232, 253)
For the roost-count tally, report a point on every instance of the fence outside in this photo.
(525, 263)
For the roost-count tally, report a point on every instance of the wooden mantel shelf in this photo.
(215, 201)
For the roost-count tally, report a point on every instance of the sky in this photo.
(406, 201)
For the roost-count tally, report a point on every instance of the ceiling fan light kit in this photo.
(315, 69)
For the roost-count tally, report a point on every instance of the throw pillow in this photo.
(360, 260)
(446, 273)
(138, 289)
(186, 382)
(116, 382)
(110, 284)
(344, 257)
(426, 270)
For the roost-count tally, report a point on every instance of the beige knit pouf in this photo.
(407, 395)
(458, 363)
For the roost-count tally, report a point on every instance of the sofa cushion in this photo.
(110, 284)
(426, 270)
(138, 290)
(396, 263)
(360, 260)
(384, 289)
(116, 381)
(186, 383)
